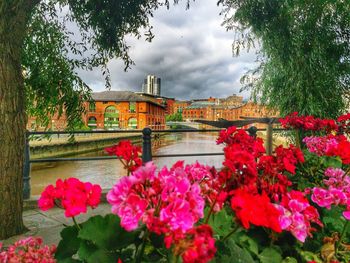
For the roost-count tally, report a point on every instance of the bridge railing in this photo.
(147, 156)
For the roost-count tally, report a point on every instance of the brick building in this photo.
(179, 105)
(168, 103)
(55, 123)
(197, 110)
(230, 108)
(123, 110)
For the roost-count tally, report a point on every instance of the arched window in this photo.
(132, 123)
(92, 106)
(92, 122)
(111, 118)
(132, 107)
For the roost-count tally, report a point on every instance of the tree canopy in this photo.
(65, 37)
(41, 55)
(304, 52)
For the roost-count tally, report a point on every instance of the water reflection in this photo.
(106, 172)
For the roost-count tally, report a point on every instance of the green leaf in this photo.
(229, 252)
(69, 245)
(310, 256)
(221, 223)
(329, 161)
(333, 219)
(289, 260)
(270, 255)
(106, 232)
(249, 243)
(91, 253)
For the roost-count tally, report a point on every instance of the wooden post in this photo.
(269, 131)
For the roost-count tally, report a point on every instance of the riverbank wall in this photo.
(62, 147)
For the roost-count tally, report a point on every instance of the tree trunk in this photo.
(13, 18)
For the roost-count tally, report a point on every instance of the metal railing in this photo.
(146, 148)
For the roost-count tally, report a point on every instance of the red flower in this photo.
(343, 151)
(195, 246)
(287, 158)
(127, 152)
(255, 209)
(308, 123)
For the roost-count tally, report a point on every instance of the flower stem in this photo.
(176, 259)
(139, 254)
(75, 223)
(212, 206)
(346, 226)
(231, 233)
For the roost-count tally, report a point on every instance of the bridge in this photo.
(185, 125)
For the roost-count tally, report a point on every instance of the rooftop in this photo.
(118, 96)
(200, 104)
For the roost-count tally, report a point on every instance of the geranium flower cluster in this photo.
(247, 166)
(344, 122)
(164, 201)
(260, 194)
(210, 181)
(272, 178)
(329, 145)
(29, 249)
(336, 191)
(255, 209)
(297, 215)
(241, 151)
(72, 195)
(168, 202)
(197, 245)
(129, 154)
(308, 123)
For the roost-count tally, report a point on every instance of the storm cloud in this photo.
(191, 53)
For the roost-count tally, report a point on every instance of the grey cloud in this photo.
(191, 53)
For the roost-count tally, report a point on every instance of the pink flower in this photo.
(165, 201)
(322, 197)
(29, 249)
(74, 203)
(119, 193)
(177, 215)
(131, 212)
(93, 194)
(72, 195)
(338, 192)
(47, 198)
(297, 215)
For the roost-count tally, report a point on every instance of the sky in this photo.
(191, 53)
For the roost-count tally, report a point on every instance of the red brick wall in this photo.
(147, 114)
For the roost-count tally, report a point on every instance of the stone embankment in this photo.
(62, 146)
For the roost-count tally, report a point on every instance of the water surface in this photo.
(107, 172)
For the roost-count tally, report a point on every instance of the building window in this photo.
(111, 118)
(132, 107)
(132, 123)
(92, 122)
(92, 106)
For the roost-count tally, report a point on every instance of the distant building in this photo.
(197, 110)
(213, 109)
(123, 110)
(55, 122)
(152, 85)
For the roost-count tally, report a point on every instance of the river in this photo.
(107, 172)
